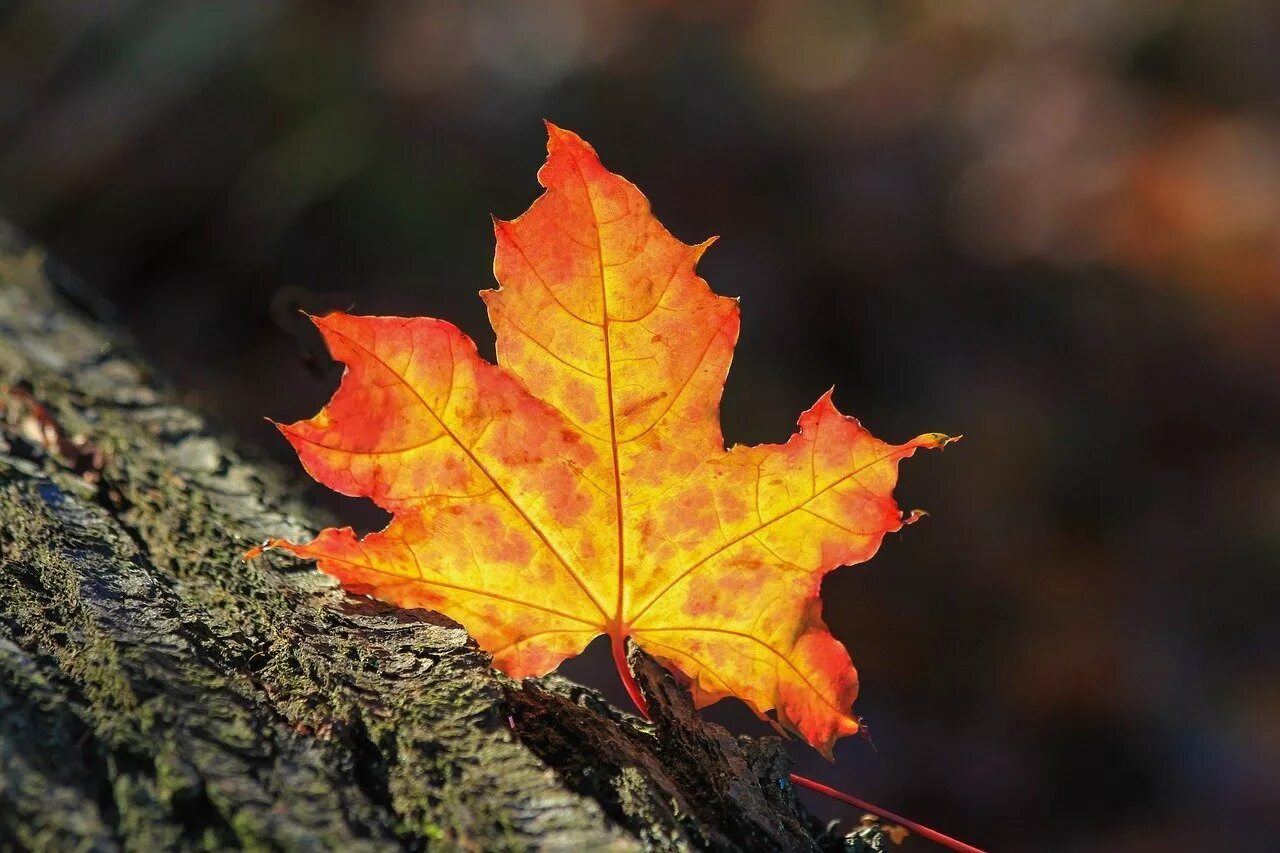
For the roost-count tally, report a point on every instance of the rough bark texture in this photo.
(157, 692)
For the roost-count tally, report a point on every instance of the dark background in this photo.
(1053, 227)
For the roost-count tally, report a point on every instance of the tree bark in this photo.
(157, 692)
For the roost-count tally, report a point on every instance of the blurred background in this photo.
(1053, 227)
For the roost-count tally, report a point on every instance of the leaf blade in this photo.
(581, 486)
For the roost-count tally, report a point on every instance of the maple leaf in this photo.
(581, 486)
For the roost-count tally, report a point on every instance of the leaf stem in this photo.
(628, 680)
(633, 690)
(923, 831)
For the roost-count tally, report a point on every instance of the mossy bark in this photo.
(157, 692)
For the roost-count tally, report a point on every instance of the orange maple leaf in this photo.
(581, 485)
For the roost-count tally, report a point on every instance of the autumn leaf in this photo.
(581, 486)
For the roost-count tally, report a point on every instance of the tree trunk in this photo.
(157, 692)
